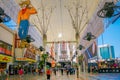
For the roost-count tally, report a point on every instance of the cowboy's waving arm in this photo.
(32, 10)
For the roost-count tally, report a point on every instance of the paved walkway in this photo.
(43, 77)
(83, 76)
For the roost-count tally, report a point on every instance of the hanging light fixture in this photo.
(89, 36)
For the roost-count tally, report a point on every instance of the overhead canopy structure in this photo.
(60, 22)
(60, 26)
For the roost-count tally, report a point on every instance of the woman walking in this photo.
(21, 72)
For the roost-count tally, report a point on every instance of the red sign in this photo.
(5, 51)
(5, 48)
(2, 50)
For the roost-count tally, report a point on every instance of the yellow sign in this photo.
(4, 58)
(21, 59)
(25, 59)
(31, 60)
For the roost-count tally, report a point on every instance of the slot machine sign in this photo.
(28, 54)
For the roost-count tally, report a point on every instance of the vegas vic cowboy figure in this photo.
(23, 16)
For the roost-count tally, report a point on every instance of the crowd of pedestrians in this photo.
(66, 70)
(3, 74)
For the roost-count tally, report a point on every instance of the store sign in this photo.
(28, 54)
(21, 59)
(5, 58)
(5, 48)
(25, 59)
(5, 51)
(30, 60)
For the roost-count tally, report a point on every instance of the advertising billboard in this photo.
(91, 51)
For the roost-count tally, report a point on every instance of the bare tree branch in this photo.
(41, 25)
(37, 28)
(73, 21)
(83, 26)
(81, 18)
(43, 16)
(49, 20)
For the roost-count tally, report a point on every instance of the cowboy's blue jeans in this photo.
(23, 29)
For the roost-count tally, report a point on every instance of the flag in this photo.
(52, 51)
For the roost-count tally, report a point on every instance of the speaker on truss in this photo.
(108, 10)
(4, 17)
(29, 39)
(80, 47)
(41, 48)
(89, 36)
